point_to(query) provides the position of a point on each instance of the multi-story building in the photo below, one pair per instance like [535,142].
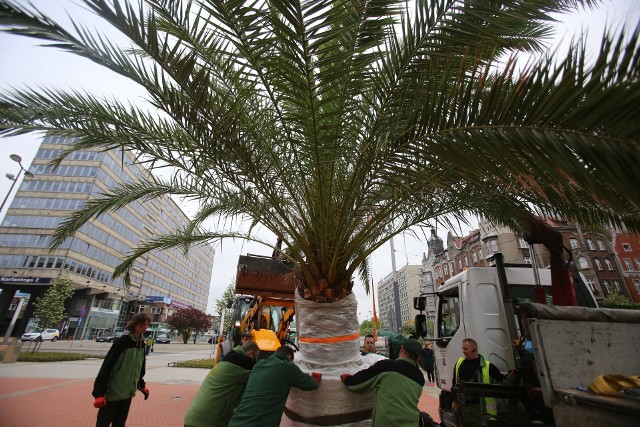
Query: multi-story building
[627,248]
[408,278]
[160,280]
[609,261]
[597,258]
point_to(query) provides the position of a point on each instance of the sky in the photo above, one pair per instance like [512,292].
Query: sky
[25,64]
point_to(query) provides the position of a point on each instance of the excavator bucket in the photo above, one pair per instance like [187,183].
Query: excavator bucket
[265,276]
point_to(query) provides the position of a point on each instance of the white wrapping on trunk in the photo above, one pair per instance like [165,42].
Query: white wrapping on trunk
[328,320]
[331,403]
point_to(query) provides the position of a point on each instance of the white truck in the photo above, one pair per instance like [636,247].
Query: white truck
[557,350]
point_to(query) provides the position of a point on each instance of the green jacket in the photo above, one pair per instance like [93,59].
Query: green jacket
[267,391]
[398,385]
[220,392]
[122,370]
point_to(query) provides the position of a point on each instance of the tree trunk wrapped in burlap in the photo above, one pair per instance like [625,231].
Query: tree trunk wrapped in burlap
[330,344]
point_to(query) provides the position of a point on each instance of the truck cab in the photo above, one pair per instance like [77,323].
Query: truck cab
[470,305]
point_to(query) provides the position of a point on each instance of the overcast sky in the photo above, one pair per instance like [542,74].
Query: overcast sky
[23,63]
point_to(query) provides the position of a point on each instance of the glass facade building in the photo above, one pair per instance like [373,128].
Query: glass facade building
[160,280]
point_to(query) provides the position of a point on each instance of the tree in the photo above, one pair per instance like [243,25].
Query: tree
[226,305]
[49,309]
[339,124]
[366,326]
[188,321]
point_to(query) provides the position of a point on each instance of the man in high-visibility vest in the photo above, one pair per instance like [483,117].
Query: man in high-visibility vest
[473,367]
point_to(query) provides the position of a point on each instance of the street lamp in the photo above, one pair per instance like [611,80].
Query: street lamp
[15,178]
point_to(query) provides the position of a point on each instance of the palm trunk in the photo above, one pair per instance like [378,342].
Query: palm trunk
[330,344]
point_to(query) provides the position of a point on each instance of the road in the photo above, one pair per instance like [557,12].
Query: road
[56,394]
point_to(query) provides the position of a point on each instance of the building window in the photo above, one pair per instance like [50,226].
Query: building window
[133,309]
[636,283]
[601,245]
[474,257]
[606,286]
[12,307]
[583,263]
[527,260]
[480,254]
[466,261]
[609,264]
[590,245]
[573,242]
[492,246]
[628,265]
[592,285]
[626,247]
[460,264]
[446,270]
[522,243]
[598,264]
[616,283]
[637,263]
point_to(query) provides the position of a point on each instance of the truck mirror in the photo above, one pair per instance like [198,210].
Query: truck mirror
[419,303]
[421,325]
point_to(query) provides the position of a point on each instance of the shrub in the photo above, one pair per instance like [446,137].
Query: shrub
[199,363]
[55,357]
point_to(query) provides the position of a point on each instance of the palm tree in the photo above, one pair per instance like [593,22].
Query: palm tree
[337,124]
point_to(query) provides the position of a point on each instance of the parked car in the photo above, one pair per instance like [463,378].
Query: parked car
[163,339]
[108,337]
[47,334]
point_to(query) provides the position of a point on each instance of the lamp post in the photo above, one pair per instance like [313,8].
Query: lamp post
[13,178]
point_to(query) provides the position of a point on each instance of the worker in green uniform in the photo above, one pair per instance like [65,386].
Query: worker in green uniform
[222,389]
[268,388]
[398,384]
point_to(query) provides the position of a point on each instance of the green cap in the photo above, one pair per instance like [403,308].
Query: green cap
[412,347]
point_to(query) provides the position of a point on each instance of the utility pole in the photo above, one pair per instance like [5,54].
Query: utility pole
[396,291]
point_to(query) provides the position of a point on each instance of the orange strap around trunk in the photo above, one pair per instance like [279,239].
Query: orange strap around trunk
[330,339]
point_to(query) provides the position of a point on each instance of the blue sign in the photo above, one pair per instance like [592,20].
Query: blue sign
[165,300]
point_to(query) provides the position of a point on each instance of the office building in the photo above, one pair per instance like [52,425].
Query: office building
[160,280]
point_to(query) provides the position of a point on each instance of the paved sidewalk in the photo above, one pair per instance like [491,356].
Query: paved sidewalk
[58,394]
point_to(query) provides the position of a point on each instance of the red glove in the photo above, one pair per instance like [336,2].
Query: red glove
[145,391]
[316,376]
[100,402]
[343,377]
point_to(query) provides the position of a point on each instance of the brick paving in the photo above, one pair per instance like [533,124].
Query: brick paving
[40,402]
[52,402]
[58,394]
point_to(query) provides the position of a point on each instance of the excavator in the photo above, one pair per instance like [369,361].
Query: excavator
[264,305]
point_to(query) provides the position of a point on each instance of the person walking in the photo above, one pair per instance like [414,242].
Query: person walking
[148,342]
[426,359]
[398,384]
[268,388]
[121,374]
[222,389]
